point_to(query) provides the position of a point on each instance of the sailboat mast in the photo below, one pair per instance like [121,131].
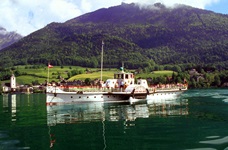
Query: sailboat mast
[102,57]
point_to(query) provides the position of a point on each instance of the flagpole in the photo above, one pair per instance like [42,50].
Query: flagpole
[48,74]
[102,57]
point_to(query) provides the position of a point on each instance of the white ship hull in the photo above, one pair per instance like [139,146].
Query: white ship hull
[164,94]
[55,95]
[72,97]
[55,98]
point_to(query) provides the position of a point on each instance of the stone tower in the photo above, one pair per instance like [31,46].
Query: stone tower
[13,82]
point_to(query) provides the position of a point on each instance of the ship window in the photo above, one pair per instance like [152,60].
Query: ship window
[71,96]
[79,96]
[87,96]
[94,96]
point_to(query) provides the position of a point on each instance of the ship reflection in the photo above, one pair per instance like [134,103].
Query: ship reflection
[98,111]
[76,113]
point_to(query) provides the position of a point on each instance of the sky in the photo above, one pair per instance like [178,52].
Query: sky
[27,16]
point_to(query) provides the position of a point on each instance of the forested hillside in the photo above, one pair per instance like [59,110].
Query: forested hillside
[138,36]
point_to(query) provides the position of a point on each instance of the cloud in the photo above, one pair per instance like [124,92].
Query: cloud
[171,3]
[86,6]
[26,16]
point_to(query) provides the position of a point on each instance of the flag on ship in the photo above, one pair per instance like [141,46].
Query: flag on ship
[50,66]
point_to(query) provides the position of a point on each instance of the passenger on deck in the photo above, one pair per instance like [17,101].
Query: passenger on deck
[121,84]
[116,85]
[125,85]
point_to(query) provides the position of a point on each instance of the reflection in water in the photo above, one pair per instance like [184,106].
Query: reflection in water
[216,141]
[51,138]
[168,107]
[98,111]
[10,105]
[73,113]
[13,107]
[102,112]
[200,122]
[5,101]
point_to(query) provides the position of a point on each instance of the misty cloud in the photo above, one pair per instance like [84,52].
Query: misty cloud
[26,16]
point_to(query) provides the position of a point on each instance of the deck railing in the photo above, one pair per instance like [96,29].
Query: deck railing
[151,89]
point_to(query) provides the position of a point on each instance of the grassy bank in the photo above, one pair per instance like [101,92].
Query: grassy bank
[40,74]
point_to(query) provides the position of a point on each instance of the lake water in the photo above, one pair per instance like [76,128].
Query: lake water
[198,119]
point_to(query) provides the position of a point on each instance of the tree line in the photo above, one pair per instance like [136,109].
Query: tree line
[195,76]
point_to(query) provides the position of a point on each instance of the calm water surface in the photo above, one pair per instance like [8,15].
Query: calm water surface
[196,120]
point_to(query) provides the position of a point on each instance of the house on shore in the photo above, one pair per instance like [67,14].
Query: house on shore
[10,87]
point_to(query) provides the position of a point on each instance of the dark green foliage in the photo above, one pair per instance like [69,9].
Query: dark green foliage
[87,81]
[5,74]
[139,37]
[76,72]
[36,82]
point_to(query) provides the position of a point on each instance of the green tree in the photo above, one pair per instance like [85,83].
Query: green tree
[17,73]
[193,83]
[68,75]
[87,81]
[217,81]
[177,68]
[36,82]
[1,90]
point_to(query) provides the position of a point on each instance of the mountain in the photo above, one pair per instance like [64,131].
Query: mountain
[137,35]
[8,38]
